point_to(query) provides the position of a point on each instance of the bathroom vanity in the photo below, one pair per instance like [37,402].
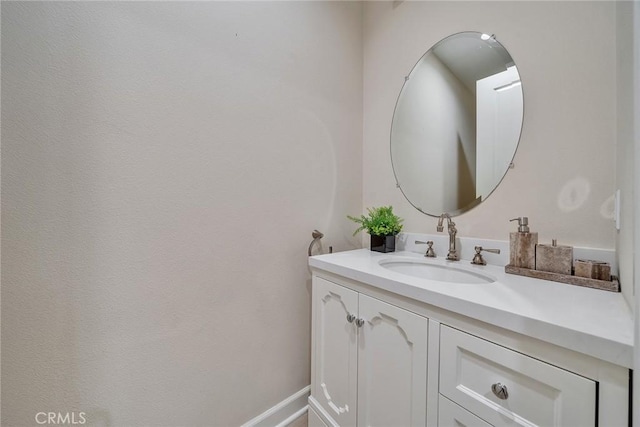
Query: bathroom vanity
[403,340]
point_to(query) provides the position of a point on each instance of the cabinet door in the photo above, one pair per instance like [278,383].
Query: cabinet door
[392,366]
[335,350]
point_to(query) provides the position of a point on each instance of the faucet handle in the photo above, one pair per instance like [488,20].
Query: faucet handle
[430,252]
[477,258]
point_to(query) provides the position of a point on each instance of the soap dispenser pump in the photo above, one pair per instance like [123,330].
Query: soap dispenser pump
[522,245]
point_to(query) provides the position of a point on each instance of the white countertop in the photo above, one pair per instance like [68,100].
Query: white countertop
[591,321]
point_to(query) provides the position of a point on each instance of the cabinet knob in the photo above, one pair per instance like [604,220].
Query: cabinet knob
[500,391]
[360,322]
[350,318]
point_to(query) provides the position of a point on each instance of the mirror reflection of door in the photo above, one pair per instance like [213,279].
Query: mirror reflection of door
[499,118]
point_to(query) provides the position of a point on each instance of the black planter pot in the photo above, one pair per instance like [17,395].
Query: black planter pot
[383,243]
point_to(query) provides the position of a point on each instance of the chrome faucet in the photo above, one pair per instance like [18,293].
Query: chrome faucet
[451,228]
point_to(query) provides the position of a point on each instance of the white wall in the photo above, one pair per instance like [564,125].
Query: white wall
[624,142]
[636,205]
[564,167]
[163,166]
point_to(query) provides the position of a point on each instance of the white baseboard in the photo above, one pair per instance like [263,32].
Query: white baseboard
[283,413]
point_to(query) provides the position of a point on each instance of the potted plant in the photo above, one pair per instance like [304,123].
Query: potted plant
[383,225]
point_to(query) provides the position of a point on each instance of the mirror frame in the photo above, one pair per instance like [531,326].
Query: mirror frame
[510,165]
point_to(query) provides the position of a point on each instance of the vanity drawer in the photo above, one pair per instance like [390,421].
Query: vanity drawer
[472,371]
[453,415]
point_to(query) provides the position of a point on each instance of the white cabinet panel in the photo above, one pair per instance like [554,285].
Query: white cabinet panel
[392,365]
[335,358]
[537,393]
[452,415]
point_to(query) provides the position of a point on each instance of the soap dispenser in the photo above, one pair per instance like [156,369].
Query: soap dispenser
[554,258]
[522,245]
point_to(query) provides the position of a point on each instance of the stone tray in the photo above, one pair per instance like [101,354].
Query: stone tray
[612,286]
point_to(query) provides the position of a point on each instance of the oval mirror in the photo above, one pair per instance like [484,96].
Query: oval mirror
[456,124]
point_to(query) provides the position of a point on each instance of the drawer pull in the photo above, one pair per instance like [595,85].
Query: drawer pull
[360,322]
[500,391]
[350,318]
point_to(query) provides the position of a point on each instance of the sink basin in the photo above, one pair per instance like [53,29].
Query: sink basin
[427,270]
